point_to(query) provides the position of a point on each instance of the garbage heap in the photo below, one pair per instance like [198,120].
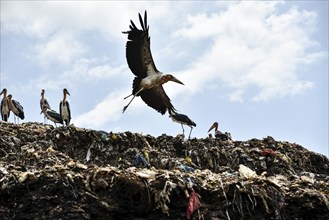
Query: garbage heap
[76,173]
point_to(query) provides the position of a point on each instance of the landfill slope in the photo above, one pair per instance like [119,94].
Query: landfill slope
[76,173]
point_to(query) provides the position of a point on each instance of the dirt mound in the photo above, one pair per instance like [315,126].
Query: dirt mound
[75,173]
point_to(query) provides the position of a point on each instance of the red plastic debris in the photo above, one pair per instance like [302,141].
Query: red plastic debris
[193,204]
[267,151]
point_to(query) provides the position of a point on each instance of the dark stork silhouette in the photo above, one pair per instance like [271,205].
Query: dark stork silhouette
[44,102]
[52,115]
[218,134]
[16,108]
[148,81]
[5,111]
[183,120]
[64,108]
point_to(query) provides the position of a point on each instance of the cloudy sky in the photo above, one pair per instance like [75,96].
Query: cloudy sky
[258,68]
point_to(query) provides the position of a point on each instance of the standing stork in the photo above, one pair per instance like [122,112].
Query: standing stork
[52,115]
[148,81]
[64,108]
[5,111]
[218,134]
[44,102]
[182,119]
[16,108]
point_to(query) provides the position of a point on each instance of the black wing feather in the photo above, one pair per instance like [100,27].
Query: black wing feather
[184,119]
[157,99]
[138,52]
[68,109]
[60,109]
[141,21]
[133,26]
[54,116]
[20,109]
[145,21]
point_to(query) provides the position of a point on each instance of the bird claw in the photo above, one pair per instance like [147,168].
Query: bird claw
[124,109]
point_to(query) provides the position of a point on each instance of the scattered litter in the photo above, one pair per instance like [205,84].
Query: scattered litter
[76,173]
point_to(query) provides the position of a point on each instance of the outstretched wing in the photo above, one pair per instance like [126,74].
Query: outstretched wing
[138,51]
[157,98]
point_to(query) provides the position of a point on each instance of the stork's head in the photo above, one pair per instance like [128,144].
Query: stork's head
[65,91]
[215,125]
[42,92]
[4,91]
[169,77]
[9,97]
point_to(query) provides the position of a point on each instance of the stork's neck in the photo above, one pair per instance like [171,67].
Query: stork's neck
[64,98]
[10,103]
[4,94]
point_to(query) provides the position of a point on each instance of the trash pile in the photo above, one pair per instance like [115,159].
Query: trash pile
[76,173]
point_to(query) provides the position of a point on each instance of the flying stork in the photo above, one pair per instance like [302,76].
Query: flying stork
[5,111]
[148,81]
[52,115]
[15,107]
[64,108]
[44,102]
[218,134]
[182,119]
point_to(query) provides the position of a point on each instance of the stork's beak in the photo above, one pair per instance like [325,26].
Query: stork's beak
[67,92]
[174,79]
[212,127]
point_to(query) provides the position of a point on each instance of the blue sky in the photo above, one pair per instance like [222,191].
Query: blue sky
[258,68]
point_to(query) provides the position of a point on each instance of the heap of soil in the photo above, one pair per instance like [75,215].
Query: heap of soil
[76,173]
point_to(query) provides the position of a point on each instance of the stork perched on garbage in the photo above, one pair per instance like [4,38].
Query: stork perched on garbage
[64,108]
[16,108]
[44,102]
[183,120]
[148,81]
[218,134]
[52,115]
[4,107]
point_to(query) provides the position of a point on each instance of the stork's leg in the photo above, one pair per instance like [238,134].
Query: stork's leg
[124,108]
[128,96]
[190,133]
[134,95]
[182,128]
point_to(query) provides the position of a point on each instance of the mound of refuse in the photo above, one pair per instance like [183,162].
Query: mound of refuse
[76,173]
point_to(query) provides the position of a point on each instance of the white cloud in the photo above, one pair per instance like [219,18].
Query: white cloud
[108,110]
[253,47]
[93,70]
[41,19]
[104,112]
[61,48]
